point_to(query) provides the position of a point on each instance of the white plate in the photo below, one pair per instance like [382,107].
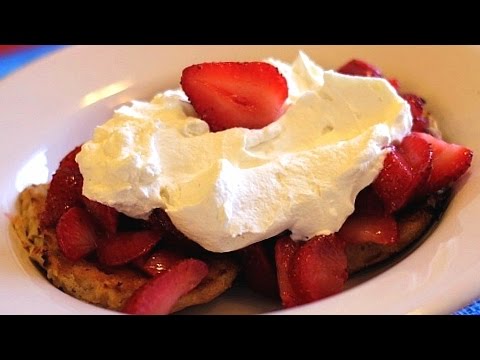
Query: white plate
[51,106]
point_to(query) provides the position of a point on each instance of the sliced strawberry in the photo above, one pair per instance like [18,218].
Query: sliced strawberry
[416,104]
[159,262]
[420,122]
[419,156]
[65,192]
[159,295]
[69,160]
[405,171]
[360,68]
[256,260]
[379,229]
[450,162]
[234,94]
[105,215]
[76,234]
[395,183]
[285,249]
[121,248]
[319,268]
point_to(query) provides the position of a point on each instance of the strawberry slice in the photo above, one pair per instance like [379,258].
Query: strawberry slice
[419,156]
[420,122]
[360,68]
[159,295]
[416,104]
[285,249]
[121,248]
[65,191]
[256,260]
[105,215]
[235,94]
[395,183]
[379,229]
[159,262]
[319,268]
[450,162]
[76,234]
[69,159]
[405,171]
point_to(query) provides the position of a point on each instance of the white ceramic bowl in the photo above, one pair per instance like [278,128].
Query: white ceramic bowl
[52,105]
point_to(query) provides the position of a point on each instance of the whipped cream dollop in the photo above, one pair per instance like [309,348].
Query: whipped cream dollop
[229,189]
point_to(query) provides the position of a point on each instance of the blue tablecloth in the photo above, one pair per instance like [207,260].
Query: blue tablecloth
[12,61]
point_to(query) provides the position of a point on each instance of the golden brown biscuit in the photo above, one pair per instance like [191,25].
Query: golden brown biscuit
[413,224]
[111,287]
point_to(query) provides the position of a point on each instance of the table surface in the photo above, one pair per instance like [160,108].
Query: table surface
[12,58]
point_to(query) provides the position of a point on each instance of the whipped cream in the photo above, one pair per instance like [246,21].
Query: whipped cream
[229,189]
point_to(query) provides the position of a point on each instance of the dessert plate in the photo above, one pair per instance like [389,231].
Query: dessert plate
[52,105]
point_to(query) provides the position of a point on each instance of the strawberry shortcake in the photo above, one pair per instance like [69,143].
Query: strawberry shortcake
[290,176]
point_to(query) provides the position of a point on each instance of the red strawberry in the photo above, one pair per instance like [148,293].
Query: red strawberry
[121,248]
[159,295]
[420,122]
[76,234]
[377,229]
[419,156]
[105,215]
[65,192]
[319,268]
[159,262]
[256,260]
[404,172]
[450,161]
[360,68]
[69,160]
[285,249]
[234,94]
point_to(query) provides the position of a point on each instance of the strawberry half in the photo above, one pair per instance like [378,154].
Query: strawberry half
[121,248]
[159,262]
[450,161]
[105,215]
[420,122]
[405,171]
[159,295]
[65,190]
[379,229]
[285,249]
[319,268]
[69,160]
[235,94]
[76,234]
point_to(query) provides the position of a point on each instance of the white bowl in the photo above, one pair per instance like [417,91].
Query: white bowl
[52,105]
